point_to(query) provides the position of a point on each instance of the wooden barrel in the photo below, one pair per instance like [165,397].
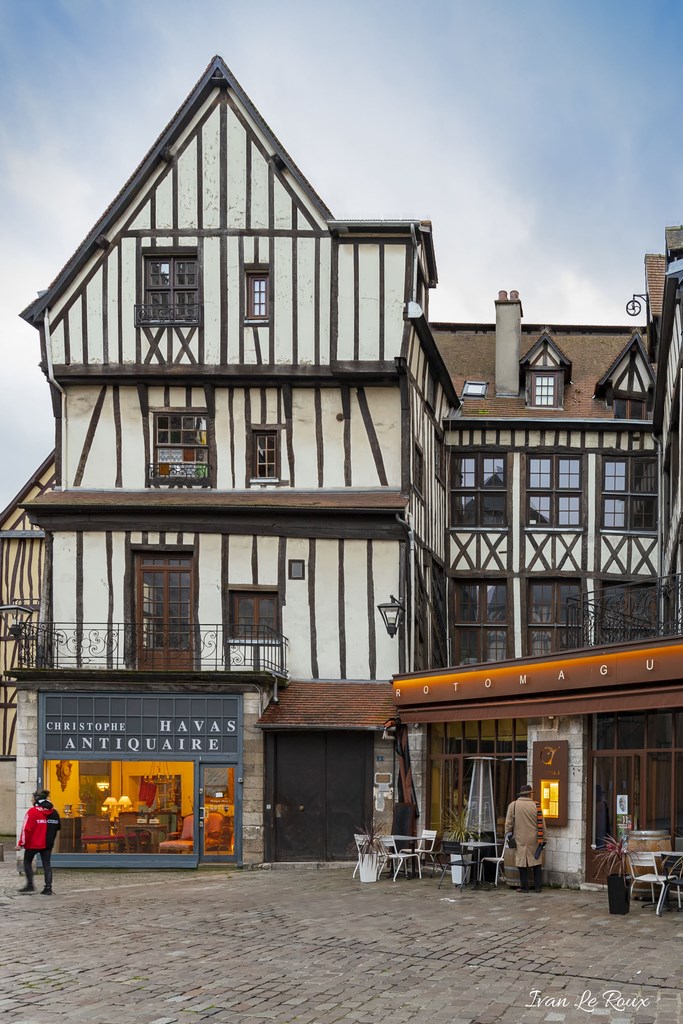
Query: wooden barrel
[649,839]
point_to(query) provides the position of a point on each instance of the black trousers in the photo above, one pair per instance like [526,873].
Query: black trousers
[46,859]
[524,877]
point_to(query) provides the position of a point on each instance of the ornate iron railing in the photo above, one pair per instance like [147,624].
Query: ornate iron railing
[151,646]
[180,474]
[623,613]
[152,313]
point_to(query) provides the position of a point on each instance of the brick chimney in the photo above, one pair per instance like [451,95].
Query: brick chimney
[508,343]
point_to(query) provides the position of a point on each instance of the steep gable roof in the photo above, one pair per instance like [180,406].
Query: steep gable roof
[630,372]
[547,354]
[216,75]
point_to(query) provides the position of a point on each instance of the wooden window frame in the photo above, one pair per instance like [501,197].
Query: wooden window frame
[534,378]
[556,625]
[478,491]
[629,401]
[481,623]
[252,277]
[170,311]
[203,477]
[554,491]
[165,656]
[629,496]
[255,594]
[274,435]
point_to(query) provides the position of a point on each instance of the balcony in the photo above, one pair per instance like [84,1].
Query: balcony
[151,647]
[624,614]
[156,314]
[179,474]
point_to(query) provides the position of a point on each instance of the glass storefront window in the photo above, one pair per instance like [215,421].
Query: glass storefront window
[659,791]
[123,807]
[659,728]
[631,731]
[453,737]
[604,731]
[436,738]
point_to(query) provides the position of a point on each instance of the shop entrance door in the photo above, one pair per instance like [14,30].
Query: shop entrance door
[322,789]
[614,805]
[216,812]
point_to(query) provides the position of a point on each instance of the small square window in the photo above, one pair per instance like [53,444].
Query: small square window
[474,389]
[257,295]
[297,569]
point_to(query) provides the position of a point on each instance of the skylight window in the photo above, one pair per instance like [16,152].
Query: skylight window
[474,389]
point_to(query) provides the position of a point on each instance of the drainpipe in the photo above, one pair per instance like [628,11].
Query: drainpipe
[51,379]
[411,580]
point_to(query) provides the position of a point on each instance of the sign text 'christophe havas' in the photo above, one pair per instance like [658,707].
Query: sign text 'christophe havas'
[184,735]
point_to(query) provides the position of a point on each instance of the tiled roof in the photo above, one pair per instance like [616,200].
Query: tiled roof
[674,240]
[316,705]
[202,499]
[655,269]
[469,352]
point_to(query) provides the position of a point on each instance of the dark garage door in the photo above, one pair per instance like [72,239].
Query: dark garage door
[322,791]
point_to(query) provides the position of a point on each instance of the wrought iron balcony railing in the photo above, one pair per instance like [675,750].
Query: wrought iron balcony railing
[180,474]
[624,613]
[152,646]
[155,313]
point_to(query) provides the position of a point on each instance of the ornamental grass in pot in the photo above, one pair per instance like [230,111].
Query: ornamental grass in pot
[455,829]
[612,861]
[371,851]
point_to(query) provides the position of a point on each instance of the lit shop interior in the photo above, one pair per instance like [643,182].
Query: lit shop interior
[142,807]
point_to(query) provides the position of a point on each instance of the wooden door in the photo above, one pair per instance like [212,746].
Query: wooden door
[164,618]
[322,793]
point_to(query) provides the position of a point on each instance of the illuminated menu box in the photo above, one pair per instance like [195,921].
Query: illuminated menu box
[550,761]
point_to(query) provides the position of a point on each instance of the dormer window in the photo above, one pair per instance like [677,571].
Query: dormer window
[171,290]
[545,390]
[629,409]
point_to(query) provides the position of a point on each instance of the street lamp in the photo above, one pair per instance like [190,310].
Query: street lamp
[392,613]
[15,629]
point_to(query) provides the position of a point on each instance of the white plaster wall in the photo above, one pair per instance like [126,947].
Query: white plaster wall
[296,621]
[356,606]
[64,577]
[95,585]
[394,289]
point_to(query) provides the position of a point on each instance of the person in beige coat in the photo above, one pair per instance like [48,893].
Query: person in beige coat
[524,820]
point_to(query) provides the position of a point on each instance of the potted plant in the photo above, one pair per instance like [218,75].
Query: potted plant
[371,852]
[456,829]
[612,860]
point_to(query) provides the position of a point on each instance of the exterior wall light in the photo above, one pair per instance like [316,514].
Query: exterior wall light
[392,615]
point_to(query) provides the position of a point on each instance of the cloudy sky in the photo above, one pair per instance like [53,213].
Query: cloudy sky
[541,137]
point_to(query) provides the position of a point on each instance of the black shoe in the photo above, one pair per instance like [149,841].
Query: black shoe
[46,892]
[522,890]
[27,888]
[538,889]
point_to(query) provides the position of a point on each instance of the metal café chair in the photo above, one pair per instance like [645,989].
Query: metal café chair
[646,861]
[399,857]
[425,847]
[672,873]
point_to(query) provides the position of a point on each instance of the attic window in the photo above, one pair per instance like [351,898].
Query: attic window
[474,389]
[629,409]
[544,390]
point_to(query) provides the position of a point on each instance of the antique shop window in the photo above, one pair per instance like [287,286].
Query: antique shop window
[257,295]
[265,454]
[164,612]
[125,807]
[181,452]
[479,622]
[547,615]
[171,290]
[554,491]
[629,498]
[478,490]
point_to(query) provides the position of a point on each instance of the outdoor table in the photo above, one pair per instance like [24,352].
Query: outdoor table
[477,845]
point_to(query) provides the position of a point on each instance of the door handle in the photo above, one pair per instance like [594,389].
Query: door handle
[301,807]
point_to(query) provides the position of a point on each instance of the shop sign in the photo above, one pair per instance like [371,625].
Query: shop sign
[139,726]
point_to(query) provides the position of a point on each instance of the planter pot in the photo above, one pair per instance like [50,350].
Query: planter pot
[369,867]
[459,874]
[618,894]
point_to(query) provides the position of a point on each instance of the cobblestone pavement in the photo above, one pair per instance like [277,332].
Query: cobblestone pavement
[305,946]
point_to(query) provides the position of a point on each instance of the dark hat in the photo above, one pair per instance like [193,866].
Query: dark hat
[525,790]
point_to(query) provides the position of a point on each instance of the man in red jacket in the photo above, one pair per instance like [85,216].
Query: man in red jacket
[38,834]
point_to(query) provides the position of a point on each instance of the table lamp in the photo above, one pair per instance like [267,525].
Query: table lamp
[124,803]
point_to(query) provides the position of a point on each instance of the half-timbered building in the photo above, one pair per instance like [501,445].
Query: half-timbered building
[552,548]
[249,410]
[21,576]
